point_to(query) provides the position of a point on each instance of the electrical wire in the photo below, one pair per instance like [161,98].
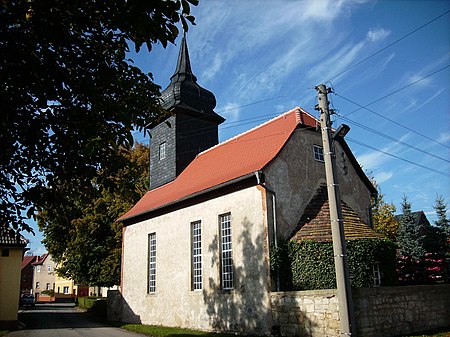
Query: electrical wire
[397,157]
[398,141]
[389,45]
[394,122]
[395,91]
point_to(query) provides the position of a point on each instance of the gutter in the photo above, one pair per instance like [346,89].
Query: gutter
[259,180]
[194,195]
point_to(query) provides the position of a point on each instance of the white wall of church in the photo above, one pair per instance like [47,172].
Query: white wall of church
[295,176]
[245,308]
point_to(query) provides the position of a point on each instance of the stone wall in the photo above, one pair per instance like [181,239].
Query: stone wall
[306,313]
[384,311]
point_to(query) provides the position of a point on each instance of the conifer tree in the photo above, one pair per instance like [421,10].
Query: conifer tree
[409,237]
[441,211]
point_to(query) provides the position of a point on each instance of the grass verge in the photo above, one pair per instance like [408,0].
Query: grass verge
[445,332]
[162,331]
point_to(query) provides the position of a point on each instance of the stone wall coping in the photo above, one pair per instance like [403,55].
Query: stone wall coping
[320,292]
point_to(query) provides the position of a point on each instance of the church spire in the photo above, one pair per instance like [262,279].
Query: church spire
[183,68]
[185,93]
[191,126]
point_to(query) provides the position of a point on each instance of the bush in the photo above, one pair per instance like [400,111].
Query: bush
[49,292]
[312,263]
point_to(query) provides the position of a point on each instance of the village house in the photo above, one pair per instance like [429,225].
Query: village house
[46,278]
[196,246]
[13,246]
[26,275]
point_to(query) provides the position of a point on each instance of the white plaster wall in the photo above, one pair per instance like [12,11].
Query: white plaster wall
[246,308]
[295,177]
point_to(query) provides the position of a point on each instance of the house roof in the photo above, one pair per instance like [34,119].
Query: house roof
[315,222]
[237,157]
[11,238]
[27,260]
[419,218]
[40,259]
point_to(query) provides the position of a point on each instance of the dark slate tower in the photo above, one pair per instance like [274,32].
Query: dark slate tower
[191,129]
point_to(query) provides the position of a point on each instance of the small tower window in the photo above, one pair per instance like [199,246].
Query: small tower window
[162,151]
[318,153]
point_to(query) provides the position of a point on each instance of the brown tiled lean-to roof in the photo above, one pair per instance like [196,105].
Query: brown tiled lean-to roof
[315,221]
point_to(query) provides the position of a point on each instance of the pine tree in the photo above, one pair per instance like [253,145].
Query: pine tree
[409,238]
[441,211]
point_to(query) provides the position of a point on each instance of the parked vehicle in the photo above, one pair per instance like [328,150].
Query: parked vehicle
[27,300]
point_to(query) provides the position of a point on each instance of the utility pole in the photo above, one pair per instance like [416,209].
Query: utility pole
[347,322]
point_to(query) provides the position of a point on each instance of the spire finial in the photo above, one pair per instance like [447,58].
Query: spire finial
[183,68]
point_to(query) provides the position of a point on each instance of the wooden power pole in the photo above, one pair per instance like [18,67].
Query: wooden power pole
[347,325]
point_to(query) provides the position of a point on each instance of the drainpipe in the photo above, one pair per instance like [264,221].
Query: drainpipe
[258,175]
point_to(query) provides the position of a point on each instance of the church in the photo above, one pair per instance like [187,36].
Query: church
[196,246]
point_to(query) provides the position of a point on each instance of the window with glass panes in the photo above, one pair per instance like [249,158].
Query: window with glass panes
[226,250]
[318,153]
[152,263]
[196,228]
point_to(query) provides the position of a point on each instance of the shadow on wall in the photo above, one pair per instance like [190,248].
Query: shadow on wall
[245,308]
[118,309]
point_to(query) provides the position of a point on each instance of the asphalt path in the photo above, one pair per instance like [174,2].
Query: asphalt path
[63,320]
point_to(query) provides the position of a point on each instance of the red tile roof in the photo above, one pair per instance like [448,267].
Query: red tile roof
[315,223]
[40,259]
[27,260]
[237,157]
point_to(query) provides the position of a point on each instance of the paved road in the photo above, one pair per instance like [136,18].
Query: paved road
[63,320]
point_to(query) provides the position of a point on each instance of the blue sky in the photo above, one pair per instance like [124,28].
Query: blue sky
[275,52]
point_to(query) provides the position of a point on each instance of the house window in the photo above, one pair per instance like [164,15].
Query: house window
[226,252]
[66,290]
[318,153]
[152,263]
[38,269]
[376,274]
[47,287]
[162,151]
[5,252]
[196,234]
[49,268]
[37,285]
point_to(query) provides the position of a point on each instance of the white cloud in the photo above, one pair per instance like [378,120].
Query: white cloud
[383,176]
[444,137]
[210,72]
[231,112]
[377,34]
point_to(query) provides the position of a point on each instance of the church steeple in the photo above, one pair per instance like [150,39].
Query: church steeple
[191,128]
[184,91]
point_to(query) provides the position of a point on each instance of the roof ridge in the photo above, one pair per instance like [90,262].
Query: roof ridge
[229,140]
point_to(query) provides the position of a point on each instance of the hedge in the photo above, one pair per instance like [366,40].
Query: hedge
[93,304]
[308,264]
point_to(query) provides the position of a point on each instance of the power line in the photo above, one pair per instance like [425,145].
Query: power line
[253,103]
[394,122]
[393,139]
[395,91]
[397,157]
[389,45]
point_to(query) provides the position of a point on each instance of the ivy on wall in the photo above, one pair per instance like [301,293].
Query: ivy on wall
[309,264]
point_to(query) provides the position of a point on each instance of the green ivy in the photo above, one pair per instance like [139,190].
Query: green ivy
[312,263]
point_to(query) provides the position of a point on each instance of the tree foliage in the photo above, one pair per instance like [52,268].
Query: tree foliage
[384,220]
[410,238]
[442,221]
[69,96]
[79,224]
